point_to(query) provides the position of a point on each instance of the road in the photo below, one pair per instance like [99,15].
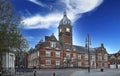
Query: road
[74,72]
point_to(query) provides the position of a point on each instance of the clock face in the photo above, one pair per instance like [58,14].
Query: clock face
[67,29]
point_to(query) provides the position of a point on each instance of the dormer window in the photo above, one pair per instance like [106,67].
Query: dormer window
[52,44]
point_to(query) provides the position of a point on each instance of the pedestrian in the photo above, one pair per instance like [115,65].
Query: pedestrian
[102,69]
[53,74]
[0,71]
[35,73]
[116,66]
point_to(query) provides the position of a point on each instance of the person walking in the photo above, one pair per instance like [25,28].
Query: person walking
[102,69]
[35,73]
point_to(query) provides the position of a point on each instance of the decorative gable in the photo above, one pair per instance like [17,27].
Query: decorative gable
[112,57]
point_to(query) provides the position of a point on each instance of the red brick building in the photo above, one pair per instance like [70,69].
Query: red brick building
[114,60]
[53,53]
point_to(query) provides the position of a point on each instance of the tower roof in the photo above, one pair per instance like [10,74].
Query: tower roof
[65,20]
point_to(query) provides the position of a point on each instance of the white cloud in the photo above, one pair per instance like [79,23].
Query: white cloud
[39,21]
[75,8]
[81,6]
[38,3]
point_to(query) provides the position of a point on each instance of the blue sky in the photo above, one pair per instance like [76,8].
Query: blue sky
[99,18]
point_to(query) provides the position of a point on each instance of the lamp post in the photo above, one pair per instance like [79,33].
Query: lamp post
[88,43]
[39,59]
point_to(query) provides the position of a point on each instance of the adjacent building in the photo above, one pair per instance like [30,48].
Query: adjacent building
[53,53]
[114,60]
[8,61]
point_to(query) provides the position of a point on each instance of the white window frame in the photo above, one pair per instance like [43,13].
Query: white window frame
[74,56]
[100,58]
[79,56]
[68,55]
[48,62]
[57,54]
[86,56]
[52,44]
[79,63]
[48,53]
[57,62]
[93,57]
[106,57]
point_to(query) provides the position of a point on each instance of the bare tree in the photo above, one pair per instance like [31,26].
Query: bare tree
[10,36]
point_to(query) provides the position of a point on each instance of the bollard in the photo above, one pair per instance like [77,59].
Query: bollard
[53,74]
[35,73]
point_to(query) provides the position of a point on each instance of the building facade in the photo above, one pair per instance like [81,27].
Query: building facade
[8,62]
[114,60]
[53,53]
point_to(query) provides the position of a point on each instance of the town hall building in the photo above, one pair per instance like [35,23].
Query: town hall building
[53,53]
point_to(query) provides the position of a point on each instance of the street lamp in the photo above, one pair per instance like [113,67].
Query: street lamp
[39,64]
[88,43]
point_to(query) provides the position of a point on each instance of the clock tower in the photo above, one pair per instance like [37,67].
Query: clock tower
[65,32]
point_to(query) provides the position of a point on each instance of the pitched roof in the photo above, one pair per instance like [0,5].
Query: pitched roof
[50,38]
[82,49]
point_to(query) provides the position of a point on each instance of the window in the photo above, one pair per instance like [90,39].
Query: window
[93,58]
[119,58]
[57,54]
[38,53]
[74,56]
[60,30]
[53,44]
[86,57]
[48,62]
[74,49]
[68,55]
[99,57]
[79,63]
[67,46]
[48,53]
[57,62]
[79,56]
[67,29]
[106,57]
[105,64]
[99,54]
[86,63]
[99,64]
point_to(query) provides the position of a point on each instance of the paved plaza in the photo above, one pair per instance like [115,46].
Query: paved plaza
[97,72]
[73,72]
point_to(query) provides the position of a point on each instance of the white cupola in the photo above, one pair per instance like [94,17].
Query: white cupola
[65,20]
